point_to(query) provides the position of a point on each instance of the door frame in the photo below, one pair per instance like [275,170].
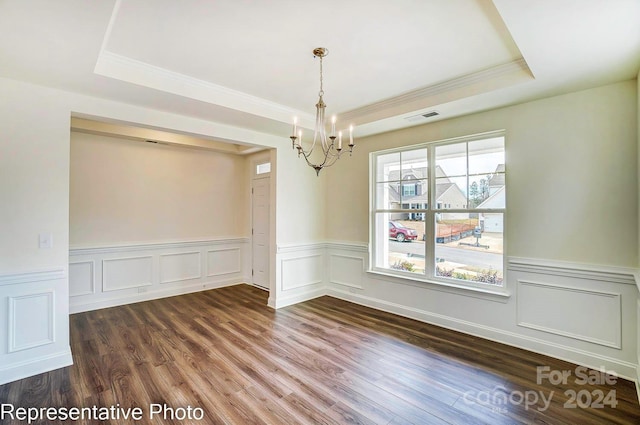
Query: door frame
[254,161]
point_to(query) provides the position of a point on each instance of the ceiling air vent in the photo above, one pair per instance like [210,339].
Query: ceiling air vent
[422,117]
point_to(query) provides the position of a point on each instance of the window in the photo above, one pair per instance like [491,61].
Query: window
[263,168]
[438,209]
[408,189]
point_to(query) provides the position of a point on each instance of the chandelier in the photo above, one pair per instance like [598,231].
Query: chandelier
[331,151]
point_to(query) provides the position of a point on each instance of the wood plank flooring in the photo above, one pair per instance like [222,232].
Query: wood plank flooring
[325,361]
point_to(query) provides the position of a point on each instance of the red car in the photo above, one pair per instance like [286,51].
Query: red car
[400,233]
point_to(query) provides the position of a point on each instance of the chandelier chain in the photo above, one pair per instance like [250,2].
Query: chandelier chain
[321,92]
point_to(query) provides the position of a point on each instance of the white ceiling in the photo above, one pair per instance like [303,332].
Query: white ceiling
[248,63]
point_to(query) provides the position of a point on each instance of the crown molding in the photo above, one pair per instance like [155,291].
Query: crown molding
[126,69]
[455,88]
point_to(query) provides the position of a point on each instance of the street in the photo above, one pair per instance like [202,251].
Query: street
[453,254]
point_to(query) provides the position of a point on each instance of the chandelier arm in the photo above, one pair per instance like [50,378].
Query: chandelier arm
[332,160]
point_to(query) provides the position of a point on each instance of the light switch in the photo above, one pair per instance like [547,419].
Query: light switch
[45,240]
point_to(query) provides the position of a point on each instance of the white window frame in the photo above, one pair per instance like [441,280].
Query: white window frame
[429,276]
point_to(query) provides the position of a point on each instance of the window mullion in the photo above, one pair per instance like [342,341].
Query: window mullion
[429,243]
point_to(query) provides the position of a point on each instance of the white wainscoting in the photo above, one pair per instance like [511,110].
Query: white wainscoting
[181,266]
[36,336]
[346,270]
[82,278]
[300,274]
[126,273]
[107,276]
[584,314]
[638,344]
[31,320]
[223,261]
[569,311]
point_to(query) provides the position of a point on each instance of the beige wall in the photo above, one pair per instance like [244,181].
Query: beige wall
[34,178]
[129,191]
[301,199]
[572,183]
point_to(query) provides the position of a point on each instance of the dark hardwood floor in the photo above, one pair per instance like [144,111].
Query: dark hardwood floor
[325,361]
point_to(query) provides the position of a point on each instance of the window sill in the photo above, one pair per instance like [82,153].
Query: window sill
[498,295]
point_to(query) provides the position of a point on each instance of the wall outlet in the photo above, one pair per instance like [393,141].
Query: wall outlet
[45,240]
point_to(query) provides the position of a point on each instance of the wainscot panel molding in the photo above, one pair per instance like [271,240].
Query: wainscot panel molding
[223,261]
[346,270]
[31,320]
[302,270]
[120,274]
[300,273]
[180,266]
[568,312]
[35,337]
[582,313]
[126,273]
[82,278]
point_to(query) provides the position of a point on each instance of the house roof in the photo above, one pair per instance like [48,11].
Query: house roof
[497,179]
[418,173]
[441,189]
[497,200]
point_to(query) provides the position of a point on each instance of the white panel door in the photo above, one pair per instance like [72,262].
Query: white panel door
[260,236]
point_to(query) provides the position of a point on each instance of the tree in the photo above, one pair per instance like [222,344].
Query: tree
[484,189]
[474,194]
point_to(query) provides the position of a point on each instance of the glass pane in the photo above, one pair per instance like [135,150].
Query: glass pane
[400,242]
[486,156]
[451,160]
[487,191]
[388,167]
[263,168]
[451,193]
[414,164]
[387,196]
[414,194]
[478,190]
[469,247]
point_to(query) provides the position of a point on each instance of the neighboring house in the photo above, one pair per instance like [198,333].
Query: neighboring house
[496,181]
[494,222]
[411,192]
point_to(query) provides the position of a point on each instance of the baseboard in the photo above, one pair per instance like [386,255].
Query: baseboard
[35,366]
[151,295]
[637,382]
[623,369]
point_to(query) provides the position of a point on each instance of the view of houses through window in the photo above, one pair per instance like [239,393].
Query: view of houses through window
[444,221]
